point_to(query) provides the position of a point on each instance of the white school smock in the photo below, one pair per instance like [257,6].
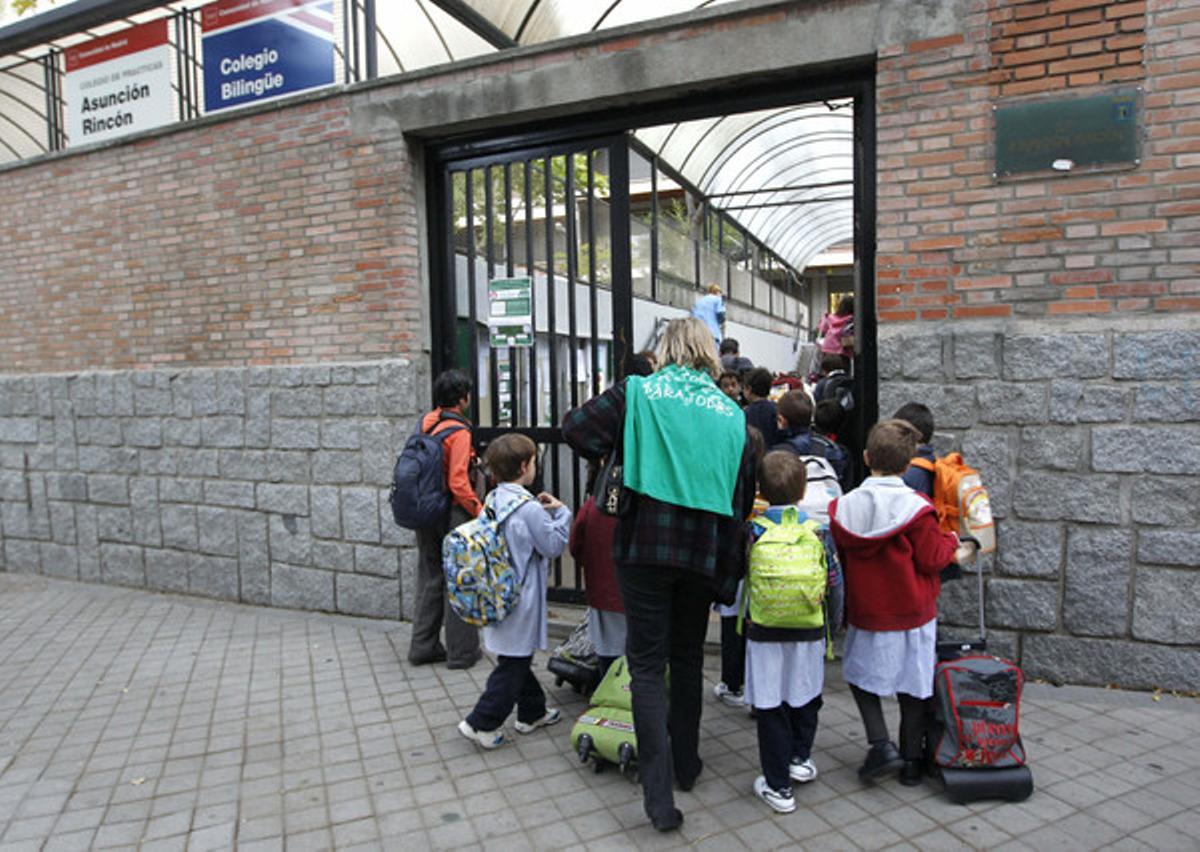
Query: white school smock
[887,662]
[534,537]
[791,673]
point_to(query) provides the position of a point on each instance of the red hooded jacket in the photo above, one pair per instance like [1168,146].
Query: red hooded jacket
[892,551]
[592,544]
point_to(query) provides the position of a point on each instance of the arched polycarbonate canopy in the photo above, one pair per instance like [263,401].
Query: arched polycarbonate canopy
[786,175]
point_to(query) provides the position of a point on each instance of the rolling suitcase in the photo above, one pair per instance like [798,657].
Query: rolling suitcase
[976,743]
[575,661]
[604,733]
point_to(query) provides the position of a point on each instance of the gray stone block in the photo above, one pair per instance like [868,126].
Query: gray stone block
[283,499]
[218,530]
[360,515]
[977,356]
[1055,356]
[290,539]
[287,377]
[333,556]
[89,542]
[1170,547]
[890,355]
[181,433]
[339,434]
[142,431]
[341,374]
[242,464]
[366,374]
[351,399]
[1166,606]
[295,434]
[1157,355]
[143,497]
[121,565]
[231,392]
[1008,402]
[1132,665]
[958,603]
[336,467]
[922,357]
[59,560]
[1167,403]
[326,512]
[62,522]
[181,395]
[304,402]
[14,489]
[370,596]
[157,462]
[287,466]
[204,393]
[404,386]
[59,486]
[82,391]
[990,452]
[1096,595]
[99,431]
[1068,497]
[1165,500]
[201,463]
[167,570]
[223,432]
[213,577]
[15,520]
[1052,448]
[1150,449]
[22,556]
[953,406]
[1022,604]
[105,488]
[380,561]
[259,377]
[19,430]
[389,532]
[314,374]
[301,588]
[122,395]
[254,584]
[179,528]
[175,490]
[258,418]
[219,492]
[254,561]
[152,394]
[380,446]
[1029,550]
[114,523]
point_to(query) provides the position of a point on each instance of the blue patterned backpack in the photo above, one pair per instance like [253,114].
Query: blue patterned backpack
[482,585]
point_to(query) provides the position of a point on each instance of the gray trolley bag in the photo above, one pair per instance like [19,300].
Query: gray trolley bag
[977,747]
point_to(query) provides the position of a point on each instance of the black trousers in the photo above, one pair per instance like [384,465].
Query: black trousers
[915,718]
[667,613]
[432,610]
[785,733]
[733,654]
[511,682]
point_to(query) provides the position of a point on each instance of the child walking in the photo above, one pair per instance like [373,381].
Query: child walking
[785,665]
[535,532]
[892,551]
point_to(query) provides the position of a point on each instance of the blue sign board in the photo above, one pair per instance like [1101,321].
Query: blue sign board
[257,50]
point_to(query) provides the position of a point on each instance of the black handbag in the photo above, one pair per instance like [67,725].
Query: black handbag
[612,497]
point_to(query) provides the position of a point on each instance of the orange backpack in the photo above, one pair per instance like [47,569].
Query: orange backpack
[961,501]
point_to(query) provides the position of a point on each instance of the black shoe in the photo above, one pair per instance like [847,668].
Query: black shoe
[687,785]
[438,656]
[459,665]
[881,760]
[912,772]
[669,822]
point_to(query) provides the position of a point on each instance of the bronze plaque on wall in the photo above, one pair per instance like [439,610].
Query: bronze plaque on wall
[1067,133]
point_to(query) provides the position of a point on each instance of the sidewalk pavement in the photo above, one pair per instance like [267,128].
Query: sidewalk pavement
[136,719]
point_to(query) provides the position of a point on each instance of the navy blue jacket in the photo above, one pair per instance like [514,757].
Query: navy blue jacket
[919,479]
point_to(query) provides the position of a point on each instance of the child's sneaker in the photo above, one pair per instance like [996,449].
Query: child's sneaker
[727,696]
[484,739]
[802,771]
[552,716]
[781,801]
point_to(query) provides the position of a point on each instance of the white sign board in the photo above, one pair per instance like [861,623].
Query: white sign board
[119,84]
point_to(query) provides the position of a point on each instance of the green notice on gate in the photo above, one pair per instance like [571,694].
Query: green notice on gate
[510,312]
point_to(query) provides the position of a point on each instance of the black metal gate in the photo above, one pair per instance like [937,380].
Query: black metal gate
[531,292]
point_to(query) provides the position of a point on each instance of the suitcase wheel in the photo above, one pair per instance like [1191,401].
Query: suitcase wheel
[584,747]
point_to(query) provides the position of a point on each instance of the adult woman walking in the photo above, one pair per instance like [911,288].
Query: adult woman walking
[690,470]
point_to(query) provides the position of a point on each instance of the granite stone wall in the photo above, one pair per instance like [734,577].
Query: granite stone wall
[266,485]
[1089,442]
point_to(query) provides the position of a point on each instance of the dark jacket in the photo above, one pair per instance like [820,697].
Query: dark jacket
[592,535]
[919,479]
[761,415]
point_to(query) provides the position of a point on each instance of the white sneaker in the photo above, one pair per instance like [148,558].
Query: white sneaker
[552,716]
[484,739]
[727,696]
[781,801]
[802,771]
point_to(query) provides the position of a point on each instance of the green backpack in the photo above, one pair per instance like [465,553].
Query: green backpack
[787,577]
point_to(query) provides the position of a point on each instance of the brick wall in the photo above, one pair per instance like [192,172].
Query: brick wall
[280,237]
[955,243]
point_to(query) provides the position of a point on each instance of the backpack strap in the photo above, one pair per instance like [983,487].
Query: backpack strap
[924,464]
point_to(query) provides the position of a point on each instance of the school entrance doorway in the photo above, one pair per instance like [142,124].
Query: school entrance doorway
[559,254]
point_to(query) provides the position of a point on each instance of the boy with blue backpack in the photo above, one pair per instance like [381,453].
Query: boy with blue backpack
[788,585]
[530,532]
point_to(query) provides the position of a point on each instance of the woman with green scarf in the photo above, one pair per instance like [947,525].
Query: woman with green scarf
[690,469]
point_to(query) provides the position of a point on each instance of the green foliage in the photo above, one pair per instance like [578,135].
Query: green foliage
[23,6]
